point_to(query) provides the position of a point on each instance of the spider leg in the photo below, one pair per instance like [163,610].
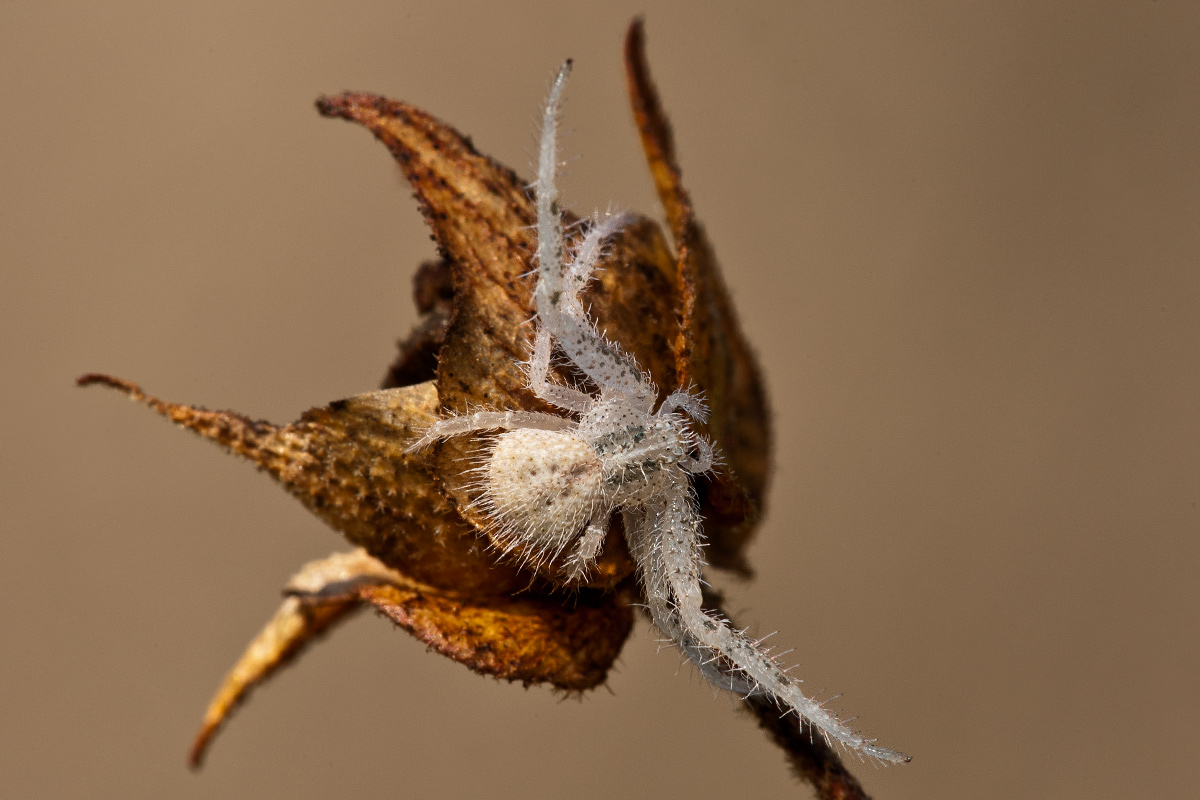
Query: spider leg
[703,461]
[488,420]
[587,549]
[538,371]
[639,529]
[609,366]
[578,271]
[601,360]
[549,220]
[667,548]
[693,406]
[639,534]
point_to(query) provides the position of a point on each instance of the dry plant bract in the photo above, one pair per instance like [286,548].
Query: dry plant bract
[587,489]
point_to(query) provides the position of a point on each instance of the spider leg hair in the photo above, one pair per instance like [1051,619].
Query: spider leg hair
[537,370]
[666,547]
[578,271]
[605,362]
[488,420]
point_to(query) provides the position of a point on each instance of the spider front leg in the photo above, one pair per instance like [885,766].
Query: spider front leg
[578,273]
[538,371]
[561,315]
[488,420]
[556,295]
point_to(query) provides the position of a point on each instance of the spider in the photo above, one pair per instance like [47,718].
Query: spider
[550,483]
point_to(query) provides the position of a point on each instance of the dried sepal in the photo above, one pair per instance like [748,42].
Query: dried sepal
[531,638]
[709,348]
[346,463]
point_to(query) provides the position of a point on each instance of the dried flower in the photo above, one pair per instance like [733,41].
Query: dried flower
[422,557]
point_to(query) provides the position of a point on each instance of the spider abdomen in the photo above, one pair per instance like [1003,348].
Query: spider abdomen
[544,485]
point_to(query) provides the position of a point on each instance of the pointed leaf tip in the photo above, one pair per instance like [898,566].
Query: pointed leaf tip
[96,378]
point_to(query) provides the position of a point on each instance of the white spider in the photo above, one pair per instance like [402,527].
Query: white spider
[552,482]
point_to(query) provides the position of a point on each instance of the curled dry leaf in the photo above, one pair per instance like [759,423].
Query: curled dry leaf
[421,558]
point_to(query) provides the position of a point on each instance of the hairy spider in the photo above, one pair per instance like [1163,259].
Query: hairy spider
[552,482]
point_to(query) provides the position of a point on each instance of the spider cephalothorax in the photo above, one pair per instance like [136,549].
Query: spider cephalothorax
[549,484]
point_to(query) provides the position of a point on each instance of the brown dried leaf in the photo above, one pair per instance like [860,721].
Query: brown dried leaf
[346,462]
[529,638]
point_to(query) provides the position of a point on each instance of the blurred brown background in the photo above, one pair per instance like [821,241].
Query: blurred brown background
[964,242]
